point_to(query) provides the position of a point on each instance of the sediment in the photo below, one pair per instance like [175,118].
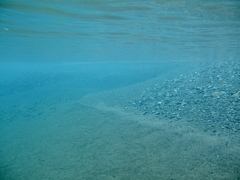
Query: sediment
[207,97]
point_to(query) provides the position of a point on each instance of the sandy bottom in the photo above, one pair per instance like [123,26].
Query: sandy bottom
[97,137]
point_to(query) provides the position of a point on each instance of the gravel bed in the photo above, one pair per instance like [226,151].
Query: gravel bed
[208,97]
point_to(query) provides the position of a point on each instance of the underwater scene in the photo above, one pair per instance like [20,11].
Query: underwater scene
[119,90]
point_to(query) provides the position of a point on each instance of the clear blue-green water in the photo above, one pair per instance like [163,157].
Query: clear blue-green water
[119,90]
[77,31]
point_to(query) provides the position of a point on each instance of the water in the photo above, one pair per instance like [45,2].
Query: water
[119,30]
[83,84]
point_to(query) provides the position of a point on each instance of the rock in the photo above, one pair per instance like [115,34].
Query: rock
[208,97]
[236,95]
[144,113]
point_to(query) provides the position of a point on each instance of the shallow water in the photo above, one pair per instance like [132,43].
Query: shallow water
[50,31]
[79,81]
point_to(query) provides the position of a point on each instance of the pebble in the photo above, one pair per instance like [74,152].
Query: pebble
[208,98]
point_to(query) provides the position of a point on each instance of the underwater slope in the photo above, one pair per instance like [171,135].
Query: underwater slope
[208,97]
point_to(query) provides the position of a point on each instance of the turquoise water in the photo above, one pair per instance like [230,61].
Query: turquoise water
[78,80]
[79,31]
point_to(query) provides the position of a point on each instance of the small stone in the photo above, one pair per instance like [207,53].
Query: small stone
[144,113]
[216,94]
[236,95]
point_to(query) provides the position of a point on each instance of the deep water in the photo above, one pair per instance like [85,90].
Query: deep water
[119,90]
